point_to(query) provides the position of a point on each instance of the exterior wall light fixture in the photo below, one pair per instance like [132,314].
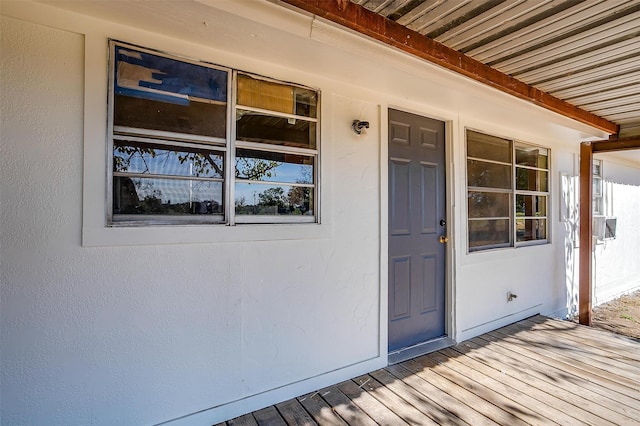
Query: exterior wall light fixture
[359,126]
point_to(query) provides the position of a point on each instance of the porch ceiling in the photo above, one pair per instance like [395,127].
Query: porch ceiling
[584,52]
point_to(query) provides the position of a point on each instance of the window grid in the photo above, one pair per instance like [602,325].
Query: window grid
[144,141]
[525,228]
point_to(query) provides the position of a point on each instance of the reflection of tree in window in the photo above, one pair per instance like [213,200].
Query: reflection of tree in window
[255,169]
[135,194]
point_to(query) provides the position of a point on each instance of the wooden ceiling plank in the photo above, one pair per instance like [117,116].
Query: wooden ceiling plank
[610,103]
[595,74]
[622,29]
[444,13]
[598,85]
[519,11]
[416,13]
[630,122]
[549,28]
[626,117]
[622,109]
[366,22]
[578,63]
[606,94]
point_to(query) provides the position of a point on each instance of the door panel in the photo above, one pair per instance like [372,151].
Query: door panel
[429,277]
[399,196]
[417,210]
[428,191]
[401,292]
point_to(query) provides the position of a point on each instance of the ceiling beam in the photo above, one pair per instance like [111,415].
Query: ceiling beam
[366,22]
[621,144]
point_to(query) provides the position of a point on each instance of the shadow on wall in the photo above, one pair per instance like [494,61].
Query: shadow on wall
[616,242]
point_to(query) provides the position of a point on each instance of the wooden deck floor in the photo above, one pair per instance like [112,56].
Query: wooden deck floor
[537,371]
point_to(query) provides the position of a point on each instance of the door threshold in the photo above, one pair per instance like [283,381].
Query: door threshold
[424,348]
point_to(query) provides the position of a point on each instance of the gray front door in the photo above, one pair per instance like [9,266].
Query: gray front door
[417,214]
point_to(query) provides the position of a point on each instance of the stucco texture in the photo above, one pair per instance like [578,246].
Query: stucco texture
[145,334]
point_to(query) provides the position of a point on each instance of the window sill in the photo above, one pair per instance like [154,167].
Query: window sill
[201,234]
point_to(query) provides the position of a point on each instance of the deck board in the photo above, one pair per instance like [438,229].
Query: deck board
[561,387]
[577,387]
[269,417]
[616,349]
[407,412]
[625,382]
[321,412]
[294,414]
[538,371]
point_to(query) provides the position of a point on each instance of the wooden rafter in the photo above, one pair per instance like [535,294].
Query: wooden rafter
[616,144]
[587,149]
[366,22]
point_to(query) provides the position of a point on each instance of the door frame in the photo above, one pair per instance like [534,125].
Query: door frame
[450,312]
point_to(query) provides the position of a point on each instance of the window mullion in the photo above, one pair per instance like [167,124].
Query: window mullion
[513,221]
[231,152]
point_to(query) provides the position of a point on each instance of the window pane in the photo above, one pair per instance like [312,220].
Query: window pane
[274,166]
[488,204]
[532,156]
[276,97]
[488,175]
[273,200]
[597,168]
[488,147]
[158,93]
[256,127]
[139,158]
[597,187]
[132,195]
[531,229]
[488,233]
[531,205]
[531,180]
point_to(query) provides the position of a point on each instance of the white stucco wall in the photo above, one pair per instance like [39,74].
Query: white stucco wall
[144,334]
[616,270]
[141,326]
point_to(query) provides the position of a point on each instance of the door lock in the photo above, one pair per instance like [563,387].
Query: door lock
[443,239]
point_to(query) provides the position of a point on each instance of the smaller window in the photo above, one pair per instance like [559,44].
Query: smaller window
[598,193]
[276,152]
[507,192]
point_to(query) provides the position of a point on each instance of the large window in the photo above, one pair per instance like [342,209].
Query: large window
[193,142]
[507,192]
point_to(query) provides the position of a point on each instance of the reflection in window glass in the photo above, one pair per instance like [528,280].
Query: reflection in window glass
[488,147]
[274,166]
[488,175]
[531,180]
[488,204]
[288,99]
[531,229]
[483,233]
[148,196]
[263,128]
[156,159]
[174,158]
[158,93]
[531,205]
[531,156]
[273,200]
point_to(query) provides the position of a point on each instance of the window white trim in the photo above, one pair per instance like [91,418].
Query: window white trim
[96,233]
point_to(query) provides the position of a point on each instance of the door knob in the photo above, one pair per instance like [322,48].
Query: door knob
[443,239]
